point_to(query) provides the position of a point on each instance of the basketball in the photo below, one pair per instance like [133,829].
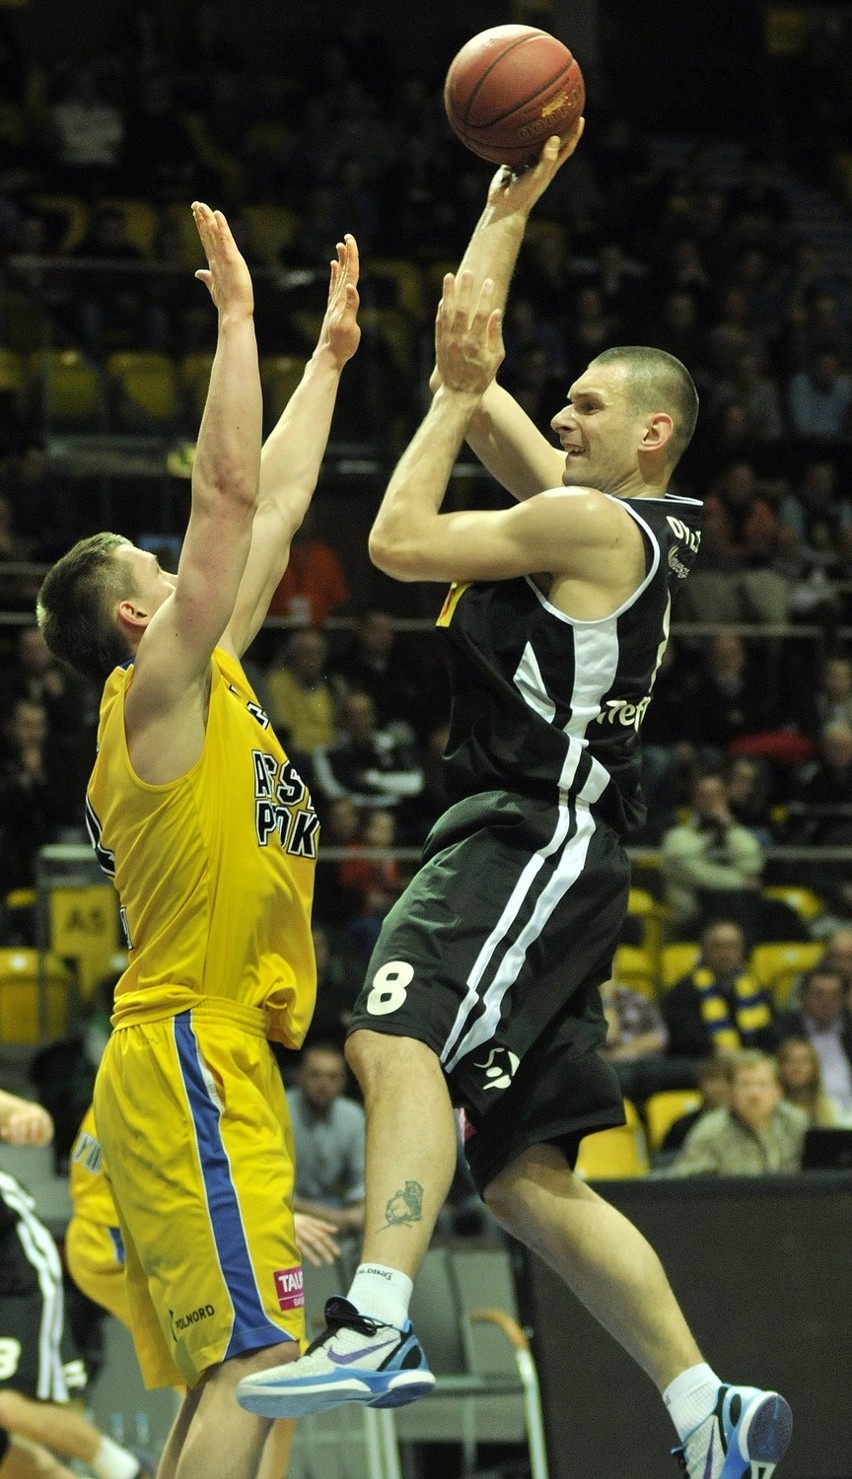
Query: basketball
[509,89]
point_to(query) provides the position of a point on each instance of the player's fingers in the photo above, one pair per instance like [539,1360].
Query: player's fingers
[464,297]
[571,140]
[352,257]
[484,304]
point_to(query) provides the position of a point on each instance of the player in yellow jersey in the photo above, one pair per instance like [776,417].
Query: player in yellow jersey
[210,835]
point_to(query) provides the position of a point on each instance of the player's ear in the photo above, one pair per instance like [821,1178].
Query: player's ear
[658,431]
[131,615]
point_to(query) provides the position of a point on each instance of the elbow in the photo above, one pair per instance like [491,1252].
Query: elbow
[393,557]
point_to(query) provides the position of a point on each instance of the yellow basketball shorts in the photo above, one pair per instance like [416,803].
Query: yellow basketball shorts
[94,1254]
[198,1151]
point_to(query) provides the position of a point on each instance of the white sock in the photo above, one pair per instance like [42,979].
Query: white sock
[691,1397]
[113,1462]
[381,1292]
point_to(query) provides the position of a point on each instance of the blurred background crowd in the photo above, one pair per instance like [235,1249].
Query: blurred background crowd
[718,230]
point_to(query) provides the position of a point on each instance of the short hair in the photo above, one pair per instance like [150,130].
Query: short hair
[74,607]
[747,1058]
[656,381]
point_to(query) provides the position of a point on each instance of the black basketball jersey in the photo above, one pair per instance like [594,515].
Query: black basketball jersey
[550,707]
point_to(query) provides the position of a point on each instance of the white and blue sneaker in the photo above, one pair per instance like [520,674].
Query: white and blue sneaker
[356,1359]
[745,1438]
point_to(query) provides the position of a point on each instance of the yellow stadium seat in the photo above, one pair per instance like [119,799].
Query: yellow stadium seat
[634,967]
[272,230]
[279,376]
[145,386]
[23,977]
[777,965]
[407,279]
[676,960]
[652,915]
[663,1108]
[12,378]
[72,212]
[194,377]
[806,903]
[616,1154]
[141,219]
[67,388]
[84,929]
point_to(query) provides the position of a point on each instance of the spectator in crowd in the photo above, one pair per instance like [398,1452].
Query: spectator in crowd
[819,515]
[69,701]
[816,328]
[677,328]
[822,1018]
[832,699]
[85,133]
[718,1006]
[747,790]
[635,1042]
[819,813]
[800,1076]
[526,328]
[329,1137]
[377,880]
[35,803]
[710,863]
[730,333]
[304,698]
[819,400]
[713,1081]
[340,976]
[838,955]
[735,694]
[759,1131]
[160,157]
[314,584]
[735,579]
[751,387]
[366,763]
[115,309]
[374,662]
[334,903]
[43,517]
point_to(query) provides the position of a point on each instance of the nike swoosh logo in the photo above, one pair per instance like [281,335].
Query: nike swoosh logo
[351,1356]
[708,1463]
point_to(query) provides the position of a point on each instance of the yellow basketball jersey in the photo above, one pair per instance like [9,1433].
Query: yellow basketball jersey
[214,871]
[87,1183]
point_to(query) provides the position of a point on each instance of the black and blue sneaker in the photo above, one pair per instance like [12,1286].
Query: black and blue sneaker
[356,1359]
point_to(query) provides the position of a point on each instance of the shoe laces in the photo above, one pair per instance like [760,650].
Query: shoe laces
[340,1315]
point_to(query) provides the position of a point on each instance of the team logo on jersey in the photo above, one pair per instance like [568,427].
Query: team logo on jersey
[619,711]
[180,1323]
[500,1068]
[690,537]
[282,806]
[290,1287]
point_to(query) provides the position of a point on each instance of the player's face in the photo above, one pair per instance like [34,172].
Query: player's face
[152,584]
[599,431]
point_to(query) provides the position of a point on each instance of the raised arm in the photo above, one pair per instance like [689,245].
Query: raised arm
[502,435]
[164,710]
[292,455]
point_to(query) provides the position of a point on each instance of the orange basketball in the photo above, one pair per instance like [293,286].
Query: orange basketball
[509,89]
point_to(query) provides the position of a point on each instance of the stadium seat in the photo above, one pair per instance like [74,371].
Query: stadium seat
[806,903]
[676,960]
[67,389]
[777,965]
[24,975]
[145,389]
[652,915]
[615,1154]
[407,280]
[272,230]
[634,967]
[141,219]
[71,213]
[663,1108]
[279,376]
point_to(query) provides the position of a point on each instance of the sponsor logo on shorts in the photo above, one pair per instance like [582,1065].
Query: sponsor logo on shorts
[290,1288]
[500,1068]
[192,1317]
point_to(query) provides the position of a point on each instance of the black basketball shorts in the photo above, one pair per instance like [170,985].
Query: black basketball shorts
[493,957]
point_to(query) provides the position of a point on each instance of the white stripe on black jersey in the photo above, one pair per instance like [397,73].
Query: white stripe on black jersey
[550,707]
[40,1252]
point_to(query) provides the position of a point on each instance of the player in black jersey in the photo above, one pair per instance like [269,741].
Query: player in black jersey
[483,990]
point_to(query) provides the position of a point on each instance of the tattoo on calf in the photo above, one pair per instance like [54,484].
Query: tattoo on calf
[404,1207]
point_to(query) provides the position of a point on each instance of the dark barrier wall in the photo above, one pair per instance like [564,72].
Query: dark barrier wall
[763,1269]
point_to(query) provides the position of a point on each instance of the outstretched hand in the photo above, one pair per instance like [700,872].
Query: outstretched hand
[468,335]
[315,1239]
[510,191]
[341,332]
[226,275]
